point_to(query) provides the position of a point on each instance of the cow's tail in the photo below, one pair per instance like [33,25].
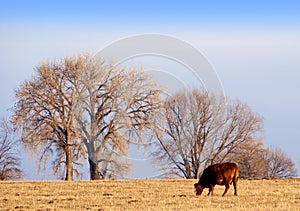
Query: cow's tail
[236,175]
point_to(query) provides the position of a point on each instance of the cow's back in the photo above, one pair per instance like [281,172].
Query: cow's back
[228,169]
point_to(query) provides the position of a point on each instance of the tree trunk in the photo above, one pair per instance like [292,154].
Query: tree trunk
[198,170]
[94,170]
[69,166]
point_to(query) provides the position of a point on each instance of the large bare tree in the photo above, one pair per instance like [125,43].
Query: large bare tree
[114,106]
[9,161]
[44,110]
[84,106]
[194,131]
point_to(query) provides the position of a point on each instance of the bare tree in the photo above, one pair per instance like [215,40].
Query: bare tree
[114,106]
[279,164]
[250,157]
[258,161]
[241,126]
[194,131]
[83,106]
[183,128]
[9,161]
[44,110]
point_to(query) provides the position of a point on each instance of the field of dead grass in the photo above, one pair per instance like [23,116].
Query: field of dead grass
[279,194]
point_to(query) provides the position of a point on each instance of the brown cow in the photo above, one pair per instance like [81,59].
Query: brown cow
[218,174]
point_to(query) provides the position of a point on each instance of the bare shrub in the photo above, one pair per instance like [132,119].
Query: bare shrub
[9,161]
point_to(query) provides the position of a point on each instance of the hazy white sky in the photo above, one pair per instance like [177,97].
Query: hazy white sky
[254,47]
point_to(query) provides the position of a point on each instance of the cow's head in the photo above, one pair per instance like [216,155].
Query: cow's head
[198,188]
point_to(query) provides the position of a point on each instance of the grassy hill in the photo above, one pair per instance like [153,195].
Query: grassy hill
[279,194]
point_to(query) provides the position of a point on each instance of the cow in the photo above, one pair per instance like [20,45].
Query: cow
[218,174]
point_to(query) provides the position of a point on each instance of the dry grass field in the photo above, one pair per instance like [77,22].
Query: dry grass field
[280,194]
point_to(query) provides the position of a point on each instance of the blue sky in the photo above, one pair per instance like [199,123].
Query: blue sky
[254,47]
[188,13]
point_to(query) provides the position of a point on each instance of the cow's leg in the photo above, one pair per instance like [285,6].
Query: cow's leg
[211,189]
[235,186]
[227,185]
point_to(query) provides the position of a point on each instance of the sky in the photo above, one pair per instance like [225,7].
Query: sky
[254,47]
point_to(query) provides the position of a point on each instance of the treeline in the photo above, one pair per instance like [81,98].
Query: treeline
[82,108]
